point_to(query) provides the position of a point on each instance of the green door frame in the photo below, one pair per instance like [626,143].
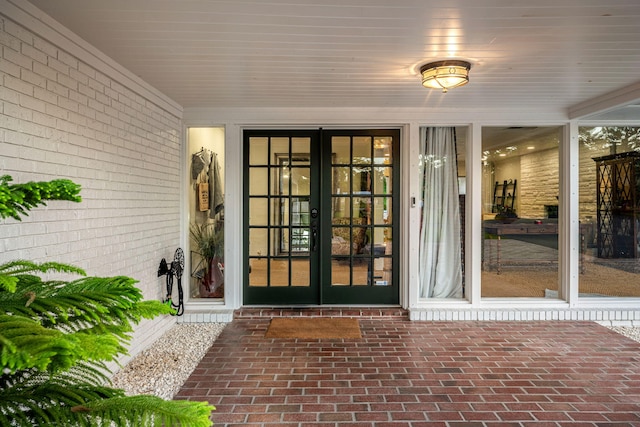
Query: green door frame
[371,294]
[320,290]
[280,295]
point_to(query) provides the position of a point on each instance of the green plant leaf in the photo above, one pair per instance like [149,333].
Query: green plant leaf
[56,337]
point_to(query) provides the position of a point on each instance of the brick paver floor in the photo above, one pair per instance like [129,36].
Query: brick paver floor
[403,373]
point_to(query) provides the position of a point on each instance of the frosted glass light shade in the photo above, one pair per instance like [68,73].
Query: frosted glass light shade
[445,75]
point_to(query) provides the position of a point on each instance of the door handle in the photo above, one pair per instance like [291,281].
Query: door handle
[314,229]
[314,236]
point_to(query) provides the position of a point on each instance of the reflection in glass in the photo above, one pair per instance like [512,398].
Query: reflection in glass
[279,272]
[300,240]
[300,145]
[361,209]
[279,211]
[341,149]
[382,210]
[258,211]
[259,151]
[383,234]
[258,182]
[360,239]
[341,178]
[382,150]
[362,149]
[520,215]
[300,272]
[361,272]
[274,236]
[609,211]
[382,180]
[258,242]
[300,181]
[359,243]
[284,240]
[340,272]
[258,275]
[381,269]
[341,207]
[282,176]
[361,180]
[340,241]
[279,217]
[279,147]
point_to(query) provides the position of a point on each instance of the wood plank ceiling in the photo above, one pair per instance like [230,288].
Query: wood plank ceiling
[538,54]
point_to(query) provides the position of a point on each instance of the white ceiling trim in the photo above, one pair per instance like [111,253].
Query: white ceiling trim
[603,104]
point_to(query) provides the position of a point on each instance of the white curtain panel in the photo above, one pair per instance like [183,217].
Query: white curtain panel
[440,268]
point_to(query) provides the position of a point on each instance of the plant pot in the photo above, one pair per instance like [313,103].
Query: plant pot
[506,218]
[212,284]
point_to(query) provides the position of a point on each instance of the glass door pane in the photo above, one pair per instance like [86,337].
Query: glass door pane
[360,200]
[279,189]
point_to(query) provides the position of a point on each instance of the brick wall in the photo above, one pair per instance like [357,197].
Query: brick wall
[61,117]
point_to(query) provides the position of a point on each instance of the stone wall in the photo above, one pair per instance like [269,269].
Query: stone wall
[539,183]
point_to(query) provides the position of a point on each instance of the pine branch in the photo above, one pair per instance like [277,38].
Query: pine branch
[48,401]
[10,272]
[45,400]
[21,266]
[17,199]
[145,410]
[55,337]
[82,304]
[90,324]
[27,344]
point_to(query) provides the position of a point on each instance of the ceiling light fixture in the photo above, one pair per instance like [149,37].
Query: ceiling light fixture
[445,75]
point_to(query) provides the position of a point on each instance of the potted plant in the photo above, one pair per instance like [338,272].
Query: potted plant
[506,214]
[209,243]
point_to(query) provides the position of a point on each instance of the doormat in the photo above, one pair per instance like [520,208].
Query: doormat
[313,328]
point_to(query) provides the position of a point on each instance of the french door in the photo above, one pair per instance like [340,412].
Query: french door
[321,209]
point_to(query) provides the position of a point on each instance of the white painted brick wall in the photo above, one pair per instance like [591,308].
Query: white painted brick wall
[627,317]
[62,118]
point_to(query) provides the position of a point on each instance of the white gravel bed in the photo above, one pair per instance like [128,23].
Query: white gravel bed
[627,331]
[162,368]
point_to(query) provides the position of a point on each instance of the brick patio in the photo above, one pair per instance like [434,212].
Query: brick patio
[403,373]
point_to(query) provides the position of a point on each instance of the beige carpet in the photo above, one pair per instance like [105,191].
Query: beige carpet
[532,281]
[313,328]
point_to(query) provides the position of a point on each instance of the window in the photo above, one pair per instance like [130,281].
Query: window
[520,184]
[206,212]
[609,211]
